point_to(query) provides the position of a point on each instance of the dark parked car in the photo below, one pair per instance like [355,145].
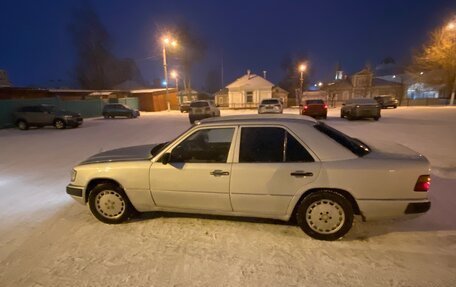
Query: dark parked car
[314,108]
[185,107]
[387,101]
[360,108]
[202,109]
[119,110]
[45,115]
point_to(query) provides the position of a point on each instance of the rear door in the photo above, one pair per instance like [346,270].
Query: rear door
[272,166]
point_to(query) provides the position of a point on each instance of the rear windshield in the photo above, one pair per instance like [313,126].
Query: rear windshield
[315,102]
[270,102]
[354,145]
[199,104]
[361,101]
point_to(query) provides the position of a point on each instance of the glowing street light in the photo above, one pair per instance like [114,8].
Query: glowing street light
[320,84]
[175,77]
[166,42]
[302,68]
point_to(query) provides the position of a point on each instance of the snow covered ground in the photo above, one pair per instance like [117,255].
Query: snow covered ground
[47,239]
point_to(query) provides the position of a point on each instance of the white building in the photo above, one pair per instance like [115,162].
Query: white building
[248,91]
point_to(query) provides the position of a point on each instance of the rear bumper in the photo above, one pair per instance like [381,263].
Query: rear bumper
[315,113]
[388,209]
[74,121]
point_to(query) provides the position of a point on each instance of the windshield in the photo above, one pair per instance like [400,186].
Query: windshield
[199,104]
[354,145]
[315,102]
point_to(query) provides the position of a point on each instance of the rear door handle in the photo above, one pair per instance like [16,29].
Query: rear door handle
[219,172]
[300,173]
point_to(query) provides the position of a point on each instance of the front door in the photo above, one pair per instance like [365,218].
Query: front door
[198,174]
[273,166]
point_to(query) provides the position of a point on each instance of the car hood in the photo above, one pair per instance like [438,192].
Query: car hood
[392,150]
[134,153]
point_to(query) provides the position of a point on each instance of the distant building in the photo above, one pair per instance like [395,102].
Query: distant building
[278,92]
[248,91]
[221,98]
[4,81]
[362,84]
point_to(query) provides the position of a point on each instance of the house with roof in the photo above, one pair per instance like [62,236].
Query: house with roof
[248,91]
[362,84]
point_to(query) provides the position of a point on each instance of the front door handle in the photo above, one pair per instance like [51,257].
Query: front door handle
[219,172]
[300,173]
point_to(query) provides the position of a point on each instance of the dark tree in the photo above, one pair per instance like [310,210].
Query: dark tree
[291,80]
[96,66]
[192,50]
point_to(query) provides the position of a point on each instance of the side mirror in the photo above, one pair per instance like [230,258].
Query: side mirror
[166,158]
[343,104]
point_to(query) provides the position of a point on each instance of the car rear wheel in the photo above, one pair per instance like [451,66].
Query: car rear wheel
[325,215]
[109,204]
[22,125]
[59,124]
[376,118]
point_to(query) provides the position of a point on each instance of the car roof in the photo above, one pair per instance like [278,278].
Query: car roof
[259,119]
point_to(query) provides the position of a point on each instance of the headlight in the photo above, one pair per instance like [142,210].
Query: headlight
[73,175]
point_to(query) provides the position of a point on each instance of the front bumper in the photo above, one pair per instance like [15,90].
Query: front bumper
[76,192]
[73,121]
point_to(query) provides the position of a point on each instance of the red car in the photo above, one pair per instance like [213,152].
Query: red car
[314,108]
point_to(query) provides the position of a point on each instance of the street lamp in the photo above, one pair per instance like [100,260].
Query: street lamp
[451,27]
[166,42]
[302,68]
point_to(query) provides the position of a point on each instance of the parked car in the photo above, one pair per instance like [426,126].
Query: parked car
[314,108]
[202,109]
[360,108]
[270,106]
[185,107]
[271,166]
[45,115]
[387,101]
[119,110]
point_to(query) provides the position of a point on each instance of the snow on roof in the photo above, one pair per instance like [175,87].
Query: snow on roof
[251,81]
[140,91]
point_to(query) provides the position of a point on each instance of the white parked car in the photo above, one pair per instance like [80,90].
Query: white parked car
[271,166]
[202,109]
[270,106]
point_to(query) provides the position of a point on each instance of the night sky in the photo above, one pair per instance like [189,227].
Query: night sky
[36,48]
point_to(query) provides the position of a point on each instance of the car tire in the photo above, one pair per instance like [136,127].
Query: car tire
[325,215]
[350,117]
[109,204]
[59,124]
[22,125]
[106,116]
[342,115]
[395,107]
[376,118]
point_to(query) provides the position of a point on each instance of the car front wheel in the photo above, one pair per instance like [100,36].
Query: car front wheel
[325,215]
[59,124]
[22,125]
[109,204]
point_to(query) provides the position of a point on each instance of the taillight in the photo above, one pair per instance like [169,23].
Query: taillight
[423,183]
[306,107]
[326,106]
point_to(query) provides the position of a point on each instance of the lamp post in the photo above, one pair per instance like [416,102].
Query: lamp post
[302,68]
[175,77]
[451,28]
[167,41]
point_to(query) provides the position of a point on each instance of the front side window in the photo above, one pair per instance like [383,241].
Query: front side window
[204,146]
[270,144]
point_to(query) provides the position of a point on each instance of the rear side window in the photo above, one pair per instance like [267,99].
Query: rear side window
[354,145]
[270,144]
